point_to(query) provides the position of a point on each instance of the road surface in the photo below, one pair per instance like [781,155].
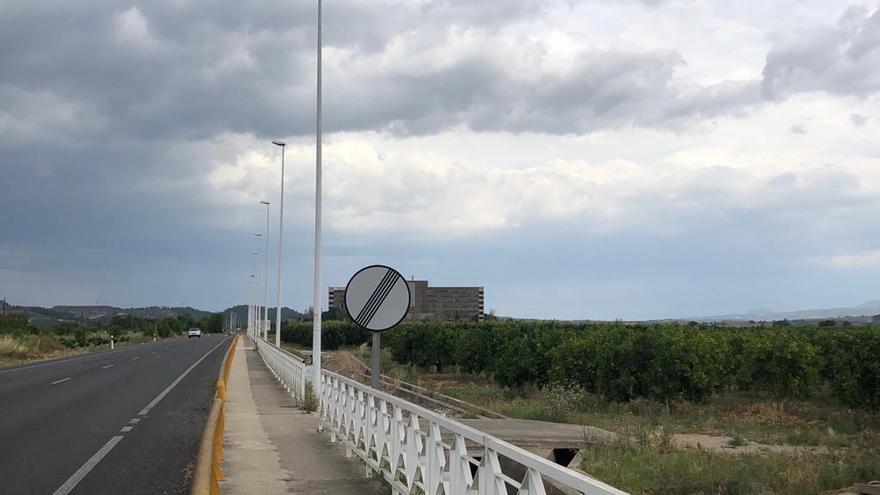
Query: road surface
[126,421]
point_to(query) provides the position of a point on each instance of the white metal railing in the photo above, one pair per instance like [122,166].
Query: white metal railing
[418,450]
[289,369]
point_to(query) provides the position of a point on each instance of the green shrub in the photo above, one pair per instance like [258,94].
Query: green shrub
[853,365]
[621,362]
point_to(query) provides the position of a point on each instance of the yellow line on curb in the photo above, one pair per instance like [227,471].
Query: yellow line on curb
[208,473]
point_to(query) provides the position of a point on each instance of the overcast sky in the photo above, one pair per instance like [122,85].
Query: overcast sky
[580,159]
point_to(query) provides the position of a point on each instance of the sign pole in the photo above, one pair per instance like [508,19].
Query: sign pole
[376,360]
[377,298]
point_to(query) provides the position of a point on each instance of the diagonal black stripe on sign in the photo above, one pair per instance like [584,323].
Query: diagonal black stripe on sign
[372,299]
[385,292]
[382,292]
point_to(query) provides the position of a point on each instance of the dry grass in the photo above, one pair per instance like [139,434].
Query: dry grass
[11,348]
[18,350]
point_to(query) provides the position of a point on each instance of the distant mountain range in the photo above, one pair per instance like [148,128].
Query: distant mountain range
[866,309]
[94,314]
[90,314]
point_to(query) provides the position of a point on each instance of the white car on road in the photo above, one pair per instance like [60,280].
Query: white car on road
[194,332]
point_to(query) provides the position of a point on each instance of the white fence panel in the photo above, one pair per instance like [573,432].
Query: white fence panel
[289,369]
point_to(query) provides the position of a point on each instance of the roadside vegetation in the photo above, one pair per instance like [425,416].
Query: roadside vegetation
[20,341]
[764,409]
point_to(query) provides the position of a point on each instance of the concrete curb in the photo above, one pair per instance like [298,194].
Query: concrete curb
[208,474]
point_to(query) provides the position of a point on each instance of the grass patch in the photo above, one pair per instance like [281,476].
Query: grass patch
[642,468]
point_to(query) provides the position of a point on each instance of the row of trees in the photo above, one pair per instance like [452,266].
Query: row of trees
[622,362]
[334,334]
[73,334]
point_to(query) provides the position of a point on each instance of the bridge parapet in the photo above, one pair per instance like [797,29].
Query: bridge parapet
[288,368]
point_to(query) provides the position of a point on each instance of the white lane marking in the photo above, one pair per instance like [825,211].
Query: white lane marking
[134,421]
[154,352]
[81,473]
[56,382]
[108,366]
[159,397]
[90,464]
[135,358]
[126,429]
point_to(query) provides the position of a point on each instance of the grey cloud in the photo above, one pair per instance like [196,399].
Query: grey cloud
[840,59]
[211,67]
[599,90]
[858,119]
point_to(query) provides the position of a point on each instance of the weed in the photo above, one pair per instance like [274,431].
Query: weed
[310,403]
[737,440]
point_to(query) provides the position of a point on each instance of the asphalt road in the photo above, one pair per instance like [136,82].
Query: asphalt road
[126,421]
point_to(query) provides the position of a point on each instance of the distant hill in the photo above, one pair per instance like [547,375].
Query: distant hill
[864,310]
[92,314]
[98,314]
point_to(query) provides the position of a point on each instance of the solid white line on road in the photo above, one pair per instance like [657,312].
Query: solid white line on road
[159,397]
[81,473]
[56,382]
[108,366]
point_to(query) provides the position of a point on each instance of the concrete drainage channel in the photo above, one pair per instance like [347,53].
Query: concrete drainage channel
[207,476]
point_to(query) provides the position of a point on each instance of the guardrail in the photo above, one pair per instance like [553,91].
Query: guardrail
[289,369]
[418,450]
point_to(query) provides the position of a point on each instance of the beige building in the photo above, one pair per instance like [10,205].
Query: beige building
[430,303]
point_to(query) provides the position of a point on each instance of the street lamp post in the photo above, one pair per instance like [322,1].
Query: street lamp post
[316,319]
[266,278]
[251,320]
[280,239]
[258,326]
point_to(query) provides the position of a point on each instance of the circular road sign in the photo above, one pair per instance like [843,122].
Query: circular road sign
[377,298]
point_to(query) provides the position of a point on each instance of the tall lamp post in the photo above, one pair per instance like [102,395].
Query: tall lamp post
[251,320]
[266,271]
[257,268]
[280,239]
[316,320]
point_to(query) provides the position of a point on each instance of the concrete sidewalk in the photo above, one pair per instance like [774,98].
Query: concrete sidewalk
[273,447]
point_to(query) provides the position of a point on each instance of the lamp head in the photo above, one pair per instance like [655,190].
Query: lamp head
[279,143]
